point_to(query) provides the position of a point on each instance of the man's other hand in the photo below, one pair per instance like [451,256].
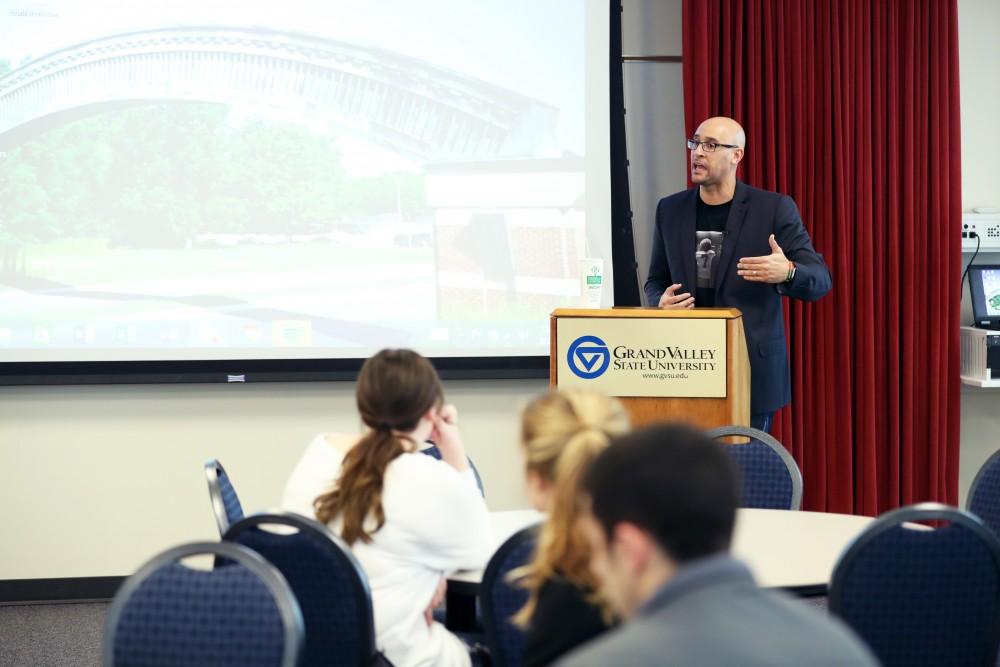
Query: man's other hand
[671,299]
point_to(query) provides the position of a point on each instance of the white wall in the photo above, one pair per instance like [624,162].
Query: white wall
[654,122]
[979,72]
[94,480]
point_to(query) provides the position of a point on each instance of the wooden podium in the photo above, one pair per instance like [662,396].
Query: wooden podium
[664,365]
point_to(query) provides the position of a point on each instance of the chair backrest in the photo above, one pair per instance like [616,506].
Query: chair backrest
[500,599]
[434,452]
[170,615]
[984,494]
[327,580]
[919,596]
[771,478]
[225,503]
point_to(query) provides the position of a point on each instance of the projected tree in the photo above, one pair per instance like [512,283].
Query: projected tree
[159,176]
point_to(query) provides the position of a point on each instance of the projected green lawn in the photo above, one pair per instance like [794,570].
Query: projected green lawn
[159,176]
[137,199]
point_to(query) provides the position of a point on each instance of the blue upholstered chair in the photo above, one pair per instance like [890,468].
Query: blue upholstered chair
[500,599]
[919,596]
[225,502]
[771,478]
[434,452]
[984,494]
[331,588]
[170,615]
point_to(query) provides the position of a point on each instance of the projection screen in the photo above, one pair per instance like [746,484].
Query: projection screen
[304,180]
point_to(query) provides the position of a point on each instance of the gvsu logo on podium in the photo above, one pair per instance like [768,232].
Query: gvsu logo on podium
[588,357]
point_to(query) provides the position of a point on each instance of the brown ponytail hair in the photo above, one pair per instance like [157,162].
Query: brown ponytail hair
[561,433]
[395,389]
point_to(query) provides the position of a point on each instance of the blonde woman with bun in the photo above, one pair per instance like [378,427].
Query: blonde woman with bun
[561,433]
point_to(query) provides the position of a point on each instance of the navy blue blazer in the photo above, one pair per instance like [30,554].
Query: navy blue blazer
[755,214]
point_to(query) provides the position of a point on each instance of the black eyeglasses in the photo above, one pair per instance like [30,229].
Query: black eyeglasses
[709,146]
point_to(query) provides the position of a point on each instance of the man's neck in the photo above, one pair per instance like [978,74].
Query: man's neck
[694,574]
[718,193]
[657,573]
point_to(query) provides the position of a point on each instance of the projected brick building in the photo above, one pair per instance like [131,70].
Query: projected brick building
[508,235]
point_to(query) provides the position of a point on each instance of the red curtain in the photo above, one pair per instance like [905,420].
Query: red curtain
[851,108]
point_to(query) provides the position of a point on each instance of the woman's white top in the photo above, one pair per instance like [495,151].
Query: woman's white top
[435,521]
[314,474]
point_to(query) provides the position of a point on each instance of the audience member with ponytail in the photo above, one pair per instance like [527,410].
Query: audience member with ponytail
[408,517]
[561,433]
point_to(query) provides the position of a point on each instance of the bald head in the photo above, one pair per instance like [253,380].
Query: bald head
[723,130]
[714,159]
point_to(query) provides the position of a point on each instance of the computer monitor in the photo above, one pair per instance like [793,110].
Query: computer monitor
[985,283]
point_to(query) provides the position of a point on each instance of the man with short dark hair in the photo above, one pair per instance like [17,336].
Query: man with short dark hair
[662,504]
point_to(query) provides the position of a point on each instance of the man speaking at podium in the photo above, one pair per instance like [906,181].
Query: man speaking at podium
[725,244]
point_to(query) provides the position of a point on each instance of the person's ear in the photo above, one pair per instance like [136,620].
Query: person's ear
[537,480]
[539,490]
[737,156]
[633,546]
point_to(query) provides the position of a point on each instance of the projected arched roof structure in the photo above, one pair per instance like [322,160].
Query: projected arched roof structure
[416,108]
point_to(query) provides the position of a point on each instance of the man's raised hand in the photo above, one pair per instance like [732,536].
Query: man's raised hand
[771,268]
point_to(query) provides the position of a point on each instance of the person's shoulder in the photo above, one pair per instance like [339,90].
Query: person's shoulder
[340,442]
[411,481]
[560,597]
[319,448]
[422,470]
[317,440]
[624,645]
[767,199]
[761,194]
[744,612]
[328,447]
[677,197]
[437,505]
[410,462]
[559,587]
[315,473]
[824,631]
[562,591]
[564,618]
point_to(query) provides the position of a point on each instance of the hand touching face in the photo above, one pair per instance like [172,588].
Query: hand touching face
[447,438]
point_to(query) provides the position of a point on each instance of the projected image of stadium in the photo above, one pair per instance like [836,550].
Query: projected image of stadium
[237,180]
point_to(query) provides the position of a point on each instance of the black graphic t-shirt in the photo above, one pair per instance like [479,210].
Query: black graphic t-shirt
[710,224]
